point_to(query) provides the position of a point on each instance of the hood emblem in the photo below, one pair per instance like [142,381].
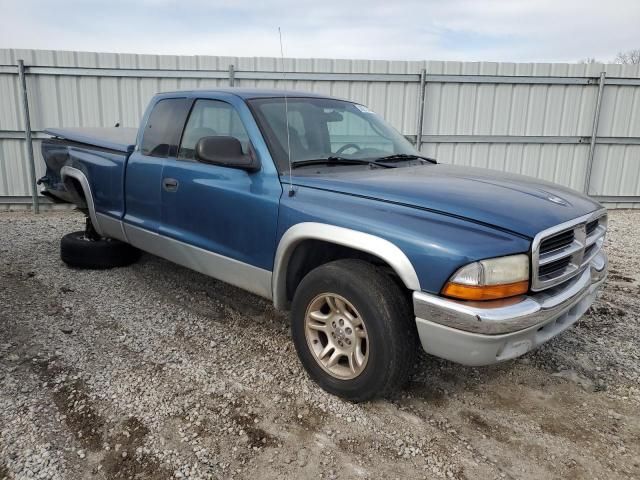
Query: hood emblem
[555,199]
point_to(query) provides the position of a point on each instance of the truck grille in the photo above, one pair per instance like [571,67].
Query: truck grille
[554,267]
[557,241]
[591,226]
[562,252]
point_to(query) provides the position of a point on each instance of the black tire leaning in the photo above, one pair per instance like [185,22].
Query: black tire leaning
[77,251]
[390,325]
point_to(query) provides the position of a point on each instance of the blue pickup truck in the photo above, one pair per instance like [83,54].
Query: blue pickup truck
[319,205]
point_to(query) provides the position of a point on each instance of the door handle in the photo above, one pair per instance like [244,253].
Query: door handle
[170,184]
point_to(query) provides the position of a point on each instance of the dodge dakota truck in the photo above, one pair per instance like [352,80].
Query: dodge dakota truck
[322,207]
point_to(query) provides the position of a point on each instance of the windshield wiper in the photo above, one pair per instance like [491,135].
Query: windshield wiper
[400,157]
[337,161]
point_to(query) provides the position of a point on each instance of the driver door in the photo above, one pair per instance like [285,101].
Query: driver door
[228,212]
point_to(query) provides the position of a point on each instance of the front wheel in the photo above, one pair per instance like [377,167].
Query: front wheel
[353,330]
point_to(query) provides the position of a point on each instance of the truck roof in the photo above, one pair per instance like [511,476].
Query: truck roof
[247,93]
[124,139]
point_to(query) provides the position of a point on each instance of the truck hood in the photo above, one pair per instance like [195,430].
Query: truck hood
[516,203]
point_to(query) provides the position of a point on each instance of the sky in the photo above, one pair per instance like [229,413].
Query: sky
[463,30]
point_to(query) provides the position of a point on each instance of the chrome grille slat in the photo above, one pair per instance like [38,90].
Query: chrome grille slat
[592,250]
[570,272]
[596,234]
[562,252]
[591,226]
[549,268]
[554,255]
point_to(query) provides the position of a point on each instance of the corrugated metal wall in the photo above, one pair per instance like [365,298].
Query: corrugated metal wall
[479,114]
[542,110]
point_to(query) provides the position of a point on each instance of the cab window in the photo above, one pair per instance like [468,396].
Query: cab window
[310,128]
[162,131]
[210,118]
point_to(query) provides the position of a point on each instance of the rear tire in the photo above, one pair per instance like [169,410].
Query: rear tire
[80,251]
[366,306]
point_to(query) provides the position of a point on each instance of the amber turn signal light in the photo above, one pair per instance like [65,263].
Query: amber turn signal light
[485,292]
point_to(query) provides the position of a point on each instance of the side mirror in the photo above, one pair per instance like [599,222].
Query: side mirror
[225,151]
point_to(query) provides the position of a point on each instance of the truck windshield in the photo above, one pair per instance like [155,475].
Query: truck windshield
[320,128]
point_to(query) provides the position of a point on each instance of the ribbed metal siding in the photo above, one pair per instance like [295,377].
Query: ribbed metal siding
[451,109]
[616,170]
[553,110]
[489,109]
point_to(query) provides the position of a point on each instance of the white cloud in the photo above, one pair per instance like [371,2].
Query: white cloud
[502,30]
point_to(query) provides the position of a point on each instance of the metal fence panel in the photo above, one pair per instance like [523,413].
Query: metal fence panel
[14,169]
[620,115]
[507,109]
[616,171]
[534,119]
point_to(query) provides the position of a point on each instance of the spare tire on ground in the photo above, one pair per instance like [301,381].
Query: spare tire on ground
[79,250]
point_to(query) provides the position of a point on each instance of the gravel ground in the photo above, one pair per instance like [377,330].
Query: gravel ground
[154,371]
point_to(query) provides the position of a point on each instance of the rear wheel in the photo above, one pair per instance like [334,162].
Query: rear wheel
[85,249]
[353,330]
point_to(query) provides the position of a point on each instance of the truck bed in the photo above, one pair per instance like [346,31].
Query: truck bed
[115,138]
[99,154]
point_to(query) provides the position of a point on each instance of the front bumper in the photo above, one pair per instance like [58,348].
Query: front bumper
[483,333]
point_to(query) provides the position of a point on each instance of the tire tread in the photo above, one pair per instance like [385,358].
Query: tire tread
[98,254]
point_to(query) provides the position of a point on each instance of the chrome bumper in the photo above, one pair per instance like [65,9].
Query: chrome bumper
[482,333]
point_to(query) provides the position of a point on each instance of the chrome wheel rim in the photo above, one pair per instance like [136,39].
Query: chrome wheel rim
[336,336]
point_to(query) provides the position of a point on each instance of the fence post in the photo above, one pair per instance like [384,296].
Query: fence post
[594,133]
[28,139]
[232,75]
[423,84]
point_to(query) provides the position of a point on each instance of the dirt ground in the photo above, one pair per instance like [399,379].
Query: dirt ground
[153,371]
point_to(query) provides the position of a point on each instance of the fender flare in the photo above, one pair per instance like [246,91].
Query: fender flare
[76,174]
[365,242]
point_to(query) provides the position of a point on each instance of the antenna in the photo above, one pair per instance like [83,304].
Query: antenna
[286,117]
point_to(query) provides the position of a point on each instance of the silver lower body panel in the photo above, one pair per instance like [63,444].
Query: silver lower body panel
[234,272]
[229,270]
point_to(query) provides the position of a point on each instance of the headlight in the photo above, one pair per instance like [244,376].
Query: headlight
[490,279]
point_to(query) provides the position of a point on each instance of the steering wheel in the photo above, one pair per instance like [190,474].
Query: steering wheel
[347,147]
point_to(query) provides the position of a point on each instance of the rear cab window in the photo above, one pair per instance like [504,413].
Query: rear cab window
[164,126]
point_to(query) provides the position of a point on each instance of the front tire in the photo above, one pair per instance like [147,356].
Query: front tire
[81,250]
[353,330]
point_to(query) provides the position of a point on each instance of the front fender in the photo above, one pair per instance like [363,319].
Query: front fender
[423,247]
[365,242]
